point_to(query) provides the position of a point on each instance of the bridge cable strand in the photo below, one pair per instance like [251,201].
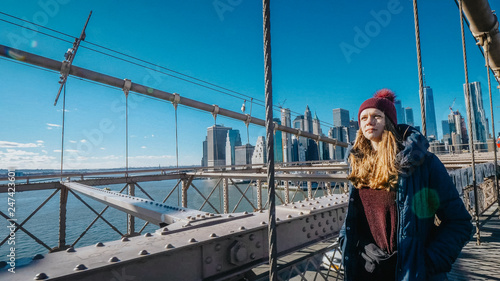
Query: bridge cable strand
[469,115]
[273,255]
[62,129]
[420,74]
[486,46]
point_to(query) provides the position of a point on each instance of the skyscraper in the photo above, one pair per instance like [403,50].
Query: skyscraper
[286,137]
[278,143]
[430,114]
[308,122]
[233,139]
[400,112]
[340,117]
[409,116]
[478,118]
[216,145]
[259,153]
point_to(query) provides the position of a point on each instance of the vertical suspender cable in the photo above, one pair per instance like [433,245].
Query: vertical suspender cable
[177,153]
[62,129]
[471,134]
[126,135]
[273,275]
[420,75]
[486,45]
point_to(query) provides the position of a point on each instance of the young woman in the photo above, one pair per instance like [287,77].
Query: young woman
[405,219]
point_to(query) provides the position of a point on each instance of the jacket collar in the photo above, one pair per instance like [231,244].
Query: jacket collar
[415,147]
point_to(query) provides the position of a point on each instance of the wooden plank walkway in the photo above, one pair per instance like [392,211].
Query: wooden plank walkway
[481,262]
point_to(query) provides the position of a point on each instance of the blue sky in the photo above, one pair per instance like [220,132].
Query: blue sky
[319,59]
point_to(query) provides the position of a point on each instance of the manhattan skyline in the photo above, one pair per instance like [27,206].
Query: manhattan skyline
[311,65]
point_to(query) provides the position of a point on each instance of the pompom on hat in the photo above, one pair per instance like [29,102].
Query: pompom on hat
[383,100]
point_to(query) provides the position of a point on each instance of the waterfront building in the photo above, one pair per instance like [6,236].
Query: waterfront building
[430,114]
[400,112]
[259,153]
[233,139]
[243,154]
[216,145]
[409,116]
[340,117]
[478,118]
[286,137]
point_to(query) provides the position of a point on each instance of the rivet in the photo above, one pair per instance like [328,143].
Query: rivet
[304,229]
[70,250]
[313,208]
[113,259]
[308,235]
[328,205]
[242,228]
[262,222]
[80,267]
[294,207]
[203,216]
[331,227]
[257,245]
[41,276]
[148,234]
[327,222]
[252,256]
[38,257]
[312,226]
[319,224]
[99,244]
[188,217]
[192,240]
[317,202]
[198,215]
[277,219]
[208,260]
[251,237]
[321,207]
[310,203]
[302,205]
[324,230]
[169,246]
[213,235]
[193,218]
[125,239]
[307,220]
[219,267]
[316,232]
[143,253]
[229,216]
[289,216]
[217,247]
[301,213]
[245,213]
[211,215]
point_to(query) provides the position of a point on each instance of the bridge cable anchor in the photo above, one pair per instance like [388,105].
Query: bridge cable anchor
[176,100]
[215,112]
[126,86]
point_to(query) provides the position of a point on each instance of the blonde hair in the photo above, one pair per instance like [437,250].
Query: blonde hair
[374,169]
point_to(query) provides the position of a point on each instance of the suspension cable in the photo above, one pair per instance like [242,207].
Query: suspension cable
[471,133]
[62,129]
[420,74]
[273,253]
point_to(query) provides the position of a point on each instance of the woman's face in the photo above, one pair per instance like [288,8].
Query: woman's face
[372,124]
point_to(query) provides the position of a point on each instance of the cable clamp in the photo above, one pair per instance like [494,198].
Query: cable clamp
[318,139]
[176,100]
[247,121]
[66,65]
[485,37]
[299,133]
[216,111]
[127,84]
[275,127]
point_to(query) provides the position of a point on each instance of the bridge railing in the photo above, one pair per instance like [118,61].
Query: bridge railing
[227,194]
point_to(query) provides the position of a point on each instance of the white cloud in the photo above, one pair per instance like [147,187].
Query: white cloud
[143,147]
[11,144]
[26,159]
[56,150]
[83,140]
[72,141]
[44,151]
[53,125]
[70,150]
[102,148]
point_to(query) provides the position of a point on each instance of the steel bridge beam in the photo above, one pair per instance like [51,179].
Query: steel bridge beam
[203,250]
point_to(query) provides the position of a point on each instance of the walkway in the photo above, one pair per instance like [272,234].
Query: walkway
[481,262]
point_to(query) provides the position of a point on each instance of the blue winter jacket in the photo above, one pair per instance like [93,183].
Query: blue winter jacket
[425,190]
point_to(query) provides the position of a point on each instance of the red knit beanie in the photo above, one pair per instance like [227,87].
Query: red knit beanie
[383,100]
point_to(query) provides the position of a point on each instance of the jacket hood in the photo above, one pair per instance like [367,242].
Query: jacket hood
[415,147]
